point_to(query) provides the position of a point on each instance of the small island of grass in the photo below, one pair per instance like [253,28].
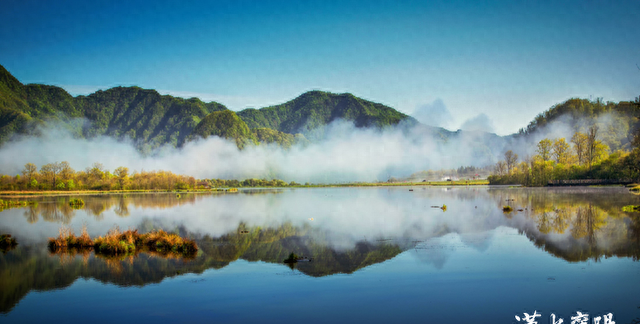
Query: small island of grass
[76,203]
[6,204]
[126,242]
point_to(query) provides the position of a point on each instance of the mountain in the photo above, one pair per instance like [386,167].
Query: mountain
[285,140]
[225,124]
[146,117]
[314,109]
[618,122]
[152,120]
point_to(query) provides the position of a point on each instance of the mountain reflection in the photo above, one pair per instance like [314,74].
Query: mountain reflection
[57,270]
[343,230]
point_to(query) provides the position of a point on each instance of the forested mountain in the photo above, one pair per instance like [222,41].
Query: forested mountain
[268,135]
[617,122]
[225,124]
[314,109]
[152,120]
[145,116]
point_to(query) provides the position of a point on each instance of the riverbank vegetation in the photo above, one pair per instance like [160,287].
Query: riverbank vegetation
[587,157]
[605,145]
[60,178]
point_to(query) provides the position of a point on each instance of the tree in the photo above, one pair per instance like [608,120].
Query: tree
[122,174]
[30,171]
[544,149]
[501,166]
[95,173]
[595,148]
[561,151]
[66,172]
[510,159]
[51,171]
[579,141]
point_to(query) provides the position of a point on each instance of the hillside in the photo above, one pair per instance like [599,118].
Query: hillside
[152,120]
[313,109]
[271,136]
[618,121]
[225,124]
[148,118]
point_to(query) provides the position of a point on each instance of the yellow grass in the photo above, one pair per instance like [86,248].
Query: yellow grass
[117,242]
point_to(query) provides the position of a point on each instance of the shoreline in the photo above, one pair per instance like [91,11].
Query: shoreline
[18,194]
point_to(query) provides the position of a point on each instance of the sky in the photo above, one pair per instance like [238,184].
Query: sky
[487,65]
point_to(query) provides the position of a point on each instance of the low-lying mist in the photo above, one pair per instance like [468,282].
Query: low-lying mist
[344,153]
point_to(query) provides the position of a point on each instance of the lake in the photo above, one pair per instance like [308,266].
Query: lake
[380,255]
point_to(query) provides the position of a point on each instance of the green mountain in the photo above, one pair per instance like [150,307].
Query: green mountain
[618,121]
[148,118]
[314,109]
[270,136]
[152,120]
[225,124]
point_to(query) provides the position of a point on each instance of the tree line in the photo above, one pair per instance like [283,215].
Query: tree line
[60,176]
[585,156]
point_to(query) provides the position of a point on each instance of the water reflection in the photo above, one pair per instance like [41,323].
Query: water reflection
[351,229]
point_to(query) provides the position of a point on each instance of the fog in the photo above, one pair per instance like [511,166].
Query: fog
[345,153]
[343,216]
[341,152]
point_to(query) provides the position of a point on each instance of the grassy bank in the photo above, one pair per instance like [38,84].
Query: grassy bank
[15,193]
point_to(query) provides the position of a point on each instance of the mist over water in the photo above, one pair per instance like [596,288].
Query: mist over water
[342,217]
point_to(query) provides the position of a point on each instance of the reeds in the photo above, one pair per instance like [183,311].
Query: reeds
[117,242]
[631,208]
[67,239]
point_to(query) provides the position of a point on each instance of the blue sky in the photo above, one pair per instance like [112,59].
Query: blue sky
[507,61]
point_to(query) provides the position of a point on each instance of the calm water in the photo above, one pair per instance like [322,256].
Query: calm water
[381,255]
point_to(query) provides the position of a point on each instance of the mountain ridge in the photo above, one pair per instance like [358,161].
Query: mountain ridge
[152,120]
